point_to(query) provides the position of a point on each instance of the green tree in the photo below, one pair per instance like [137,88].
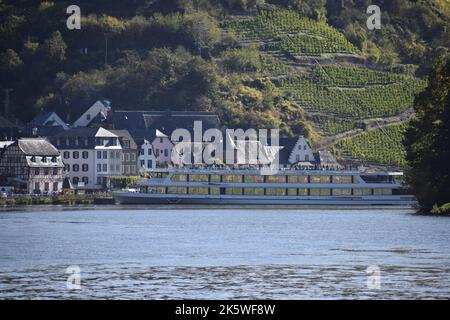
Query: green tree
[427,141]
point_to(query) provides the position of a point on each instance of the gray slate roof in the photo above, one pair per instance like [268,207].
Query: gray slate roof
[143,124]
[37,147]
[125,134]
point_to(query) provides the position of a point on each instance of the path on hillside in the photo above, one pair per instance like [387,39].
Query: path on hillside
[328,141]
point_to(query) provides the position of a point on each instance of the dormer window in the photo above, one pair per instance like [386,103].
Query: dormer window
[44,159]
[88,117]
[53,159]
[33,159]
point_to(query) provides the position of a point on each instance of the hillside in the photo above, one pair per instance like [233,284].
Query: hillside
[306,67]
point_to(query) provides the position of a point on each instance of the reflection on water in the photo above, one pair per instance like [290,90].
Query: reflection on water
[224,254]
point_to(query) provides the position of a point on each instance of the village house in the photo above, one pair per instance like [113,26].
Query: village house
[95,116]
[130,152]
[90,156]
[147,159]
[32,165]
[45,124]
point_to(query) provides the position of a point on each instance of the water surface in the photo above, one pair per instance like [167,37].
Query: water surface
[130,253]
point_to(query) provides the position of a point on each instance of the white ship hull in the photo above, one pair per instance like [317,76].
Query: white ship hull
[148,198]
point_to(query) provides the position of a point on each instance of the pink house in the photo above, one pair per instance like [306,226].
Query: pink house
[162,147]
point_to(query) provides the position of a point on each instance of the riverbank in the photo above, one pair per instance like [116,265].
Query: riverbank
[62,199]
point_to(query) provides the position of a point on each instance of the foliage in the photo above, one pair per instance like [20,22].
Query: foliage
[427,141]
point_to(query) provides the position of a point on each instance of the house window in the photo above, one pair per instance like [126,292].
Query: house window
[58,142]
[105,167]
[161,140]
[37,186]
[117,167]
[66,154]
[105,155]
[55,171]
[126,144]
[99,168]
[127,169]
[127,157]
[85,167]
[76,154]
[111,168]
[157,152]
[67,167]
[133,169]
[55,186]
[166,152]
[46,172]
[304,147]
[75,180]
[76,168]
[67,141]
[142,152]
[99,154]
[85,155]
[99,180]
[297,158]
[88,117]
[85,180]
[307,157]
[149,164]
[47,186]
[149,151]
[133,157]
[36,171]
[142,163]
[86,141]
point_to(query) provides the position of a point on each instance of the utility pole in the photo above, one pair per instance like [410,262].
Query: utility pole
[106,49]
[7,100]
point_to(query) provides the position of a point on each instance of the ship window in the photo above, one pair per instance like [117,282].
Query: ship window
[254,179]
[362,192]
[161,190]
[342,179]
[195,190]
[215,190]
[275,191]
[215,178]
[320,192]
[254,191]
[176,190]
[302,192]
[342,192]
[292,192]
[198,178]
[179,178]
[382,192]
[276,179]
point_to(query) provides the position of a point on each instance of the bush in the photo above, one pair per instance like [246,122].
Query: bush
[25,200]
[442,210]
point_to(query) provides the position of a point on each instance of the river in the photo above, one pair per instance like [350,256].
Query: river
[173,253]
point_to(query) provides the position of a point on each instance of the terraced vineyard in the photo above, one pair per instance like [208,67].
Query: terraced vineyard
[287,32]
[333,126]
[383,145]
[337,96]
[366,102]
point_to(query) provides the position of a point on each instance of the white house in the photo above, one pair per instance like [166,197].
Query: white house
[147,158]
[98,111]
[108,159]
[301,152]
[90,156]
[162,147]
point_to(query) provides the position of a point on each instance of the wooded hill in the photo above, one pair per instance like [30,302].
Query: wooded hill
[307,67]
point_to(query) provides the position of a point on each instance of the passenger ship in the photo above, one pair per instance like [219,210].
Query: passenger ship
[285,187]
